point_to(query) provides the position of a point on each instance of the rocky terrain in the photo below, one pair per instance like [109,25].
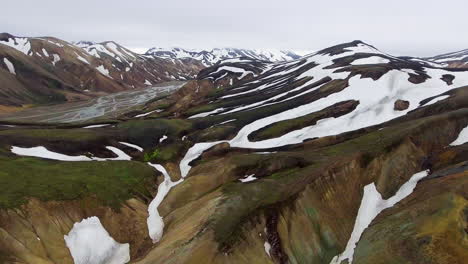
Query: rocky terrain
[347,155]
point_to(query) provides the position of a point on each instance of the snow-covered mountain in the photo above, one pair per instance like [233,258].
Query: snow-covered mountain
[457,59]
[213,56]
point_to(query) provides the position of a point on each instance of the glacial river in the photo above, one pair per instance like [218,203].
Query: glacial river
[110,106]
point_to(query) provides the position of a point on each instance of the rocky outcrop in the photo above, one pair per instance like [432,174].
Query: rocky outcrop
[401,105]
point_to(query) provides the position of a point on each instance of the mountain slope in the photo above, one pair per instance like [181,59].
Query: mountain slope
[79,72]
[457,59]
[211,57]
[257,162]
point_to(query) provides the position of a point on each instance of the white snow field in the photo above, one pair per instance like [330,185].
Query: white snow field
[90,243]
[371,206]
[103,71]
[21,44]
[462,138]
[97,126]
[155,221]
[132,146]
[248,178]
[42,152]
[10,66]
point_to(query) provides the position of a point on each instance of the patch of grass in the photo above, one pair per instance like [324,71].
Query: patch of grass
[112,183]
[149,156]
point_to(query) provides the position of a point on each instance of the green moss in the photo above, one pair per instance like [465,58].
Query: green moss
[111,182]
[146,132]
[77,135]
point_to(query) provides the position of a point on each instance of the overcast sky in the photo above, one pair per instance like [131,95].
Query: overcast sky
[399,27]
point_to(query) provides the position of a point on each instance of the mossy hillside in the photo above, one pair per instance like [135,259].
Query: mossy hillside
[254,97]
[67,141]
[166,152]
[146,133]
[112,182]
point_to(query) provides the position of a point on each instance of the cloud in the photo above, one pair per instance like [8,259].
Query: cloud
[399,27]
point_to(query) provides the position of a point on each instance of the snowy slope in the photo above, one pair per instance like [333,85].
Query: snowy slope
[375,89]
[453,59]
[211,57]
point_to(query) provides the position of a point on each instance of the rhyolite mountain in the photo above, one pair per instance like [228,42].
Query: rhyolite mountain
[347,155]
[44,70]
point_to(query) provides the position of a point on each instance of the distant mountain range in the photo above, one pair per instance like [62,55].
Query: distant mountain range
[44,70]
[213,56]
[41,70]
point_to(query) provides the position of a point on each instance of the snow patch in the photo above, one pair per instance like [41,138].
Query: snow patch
[56,59]
[10,66]
[103,71]
[42,152]
[162,138]
[437,99]
[21,44]
[90,243]
[248,178]
[97,126]
[193,153]
[462,138]
[155,221]
[370,60]
[145,114]
[85,61]
[371,205]
[132,146]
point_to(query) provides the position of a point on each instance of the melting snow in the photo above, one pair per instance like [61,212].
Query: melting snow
[148,82]
[21,44]
[437,99]
[45,52]
[42,152]
[10,66]
[85,60]
[462,138]
[132,146]
[145,114]
[248,178]
[90,243]
[193,153]
[370,60]
[56,59]
[162,138]
[103,70]
[155,221]
[371,205]
[96,126]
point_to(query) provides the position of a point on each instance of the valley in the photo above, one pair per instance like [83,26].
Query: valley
[107,106]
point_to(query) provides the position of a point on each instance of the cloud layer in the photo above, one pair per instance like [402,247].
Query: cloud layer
[400,27]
